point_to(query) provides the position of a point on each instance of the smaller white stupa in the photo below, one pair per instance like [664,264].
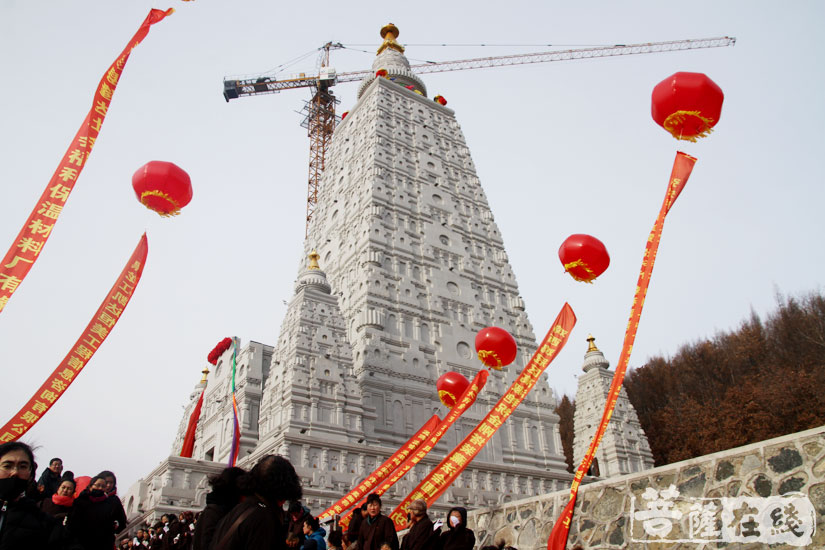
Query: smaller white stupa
[624,448]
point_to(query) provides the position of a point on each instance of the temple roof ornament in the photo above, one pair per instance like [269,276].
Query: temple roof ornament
[594,358]
[390,57]
[312,276]
[389,33]
[313,260]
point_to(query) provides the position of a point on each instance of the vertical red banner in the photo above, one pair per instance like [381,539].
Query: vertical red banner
[443,475]
[682,167]
[189,439]
[38,227]
[96,332]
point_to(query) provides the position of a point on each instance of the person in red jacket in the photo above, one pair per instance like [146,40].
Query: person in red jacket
[377,529]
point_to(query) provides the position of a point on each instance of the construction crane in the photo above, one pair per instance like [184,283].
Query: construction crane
[319,112]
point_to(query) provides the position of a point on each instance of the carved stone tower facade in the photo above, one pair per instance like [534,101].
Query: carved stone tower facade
[624,448]
[410,265]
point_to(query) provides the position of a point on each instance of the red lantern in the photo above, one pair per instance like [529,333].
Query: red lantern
[162,187]
[450,386]
[381,72]
[584,257]
[344,115]
[495,347]
[687,105]
[440,100]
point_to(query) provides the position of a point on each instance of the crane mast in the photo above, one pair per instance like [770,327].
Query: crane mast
[319,112]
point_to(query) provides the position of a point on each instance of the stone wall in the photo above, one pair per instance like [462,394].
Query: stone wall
[604,517]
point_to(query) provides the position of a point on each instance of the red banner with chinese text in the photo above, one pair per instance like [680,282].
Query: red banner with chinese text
[682,167]
[96,332]
[443,475]
[38,227]
[463,403]
[382,471]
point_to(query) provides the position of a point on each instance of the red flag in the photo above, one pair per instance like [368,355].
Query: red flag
[189,439]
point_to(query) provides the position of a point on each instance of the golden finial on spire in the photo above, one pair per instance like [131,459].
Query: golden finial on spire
[205,372]
[313,260]
[591,343]
[389,33]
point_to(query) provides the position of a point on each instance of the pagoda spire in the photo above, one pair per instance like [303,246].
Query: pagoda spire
[389,33]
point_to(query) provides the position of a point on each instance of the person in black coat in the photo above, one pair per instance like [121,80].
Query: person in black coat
[50,478]
[225,495]
[297,515]
[259,522]
[22,523]
[354,526]
[95,518]
[458,537]
[60,504]
[377,529]
[421,535]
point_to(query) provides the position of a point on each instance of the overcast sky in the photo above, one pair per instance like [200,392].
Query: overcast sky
[560,148]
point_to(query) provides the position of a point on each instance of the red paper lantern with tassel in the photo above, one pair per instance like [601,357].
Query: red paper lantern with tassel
[496,347]
[687,105]
[450,386]
[584,257]
[162,187]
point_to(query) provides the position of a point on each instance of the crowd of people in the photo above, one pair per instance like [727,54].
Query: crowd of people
[244,511]
[58,511]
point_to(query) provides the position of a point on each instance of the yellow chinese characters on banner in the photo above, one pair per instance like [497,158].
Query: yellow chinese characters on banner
[382,471]
[464,402]
[443,475]
[682,168]
[38,227]
[96,332]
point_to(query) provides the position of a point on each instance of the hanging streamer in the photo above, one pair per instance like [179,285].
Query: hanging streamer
[38,227]
[464,402]
[236,427]
[682,167]
[96,332]
[389,465]
[443,475]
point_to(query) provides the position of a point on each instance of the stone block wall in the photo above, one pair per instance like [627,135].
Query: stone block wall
[604,517]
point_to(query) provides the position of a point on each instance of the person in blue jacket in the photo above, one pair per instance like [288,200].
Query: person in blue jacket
[314,535]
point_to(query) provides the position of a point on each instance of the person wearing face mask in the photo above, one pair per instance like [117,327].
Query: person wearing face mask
[94,520]
[458,537]
[60,503]
[22,523]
